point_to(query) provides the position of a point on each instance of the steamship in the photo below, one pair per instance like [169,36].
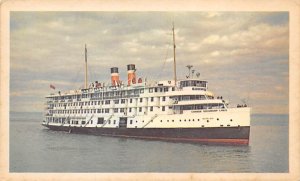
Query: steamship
[170,110]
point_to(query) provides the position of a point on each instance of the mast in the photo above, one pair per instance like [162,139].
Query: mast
[174,47]
[85,77]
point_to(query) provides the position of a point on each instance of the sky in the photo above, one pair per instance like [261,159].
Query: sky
[244,56]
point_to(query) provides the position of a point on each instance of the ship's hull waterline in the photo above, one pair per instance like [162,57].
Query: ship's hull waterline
[214,135]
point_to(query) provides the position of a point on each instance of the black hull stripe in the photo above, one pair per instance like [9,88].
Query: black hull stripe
[227,135]
[200,140]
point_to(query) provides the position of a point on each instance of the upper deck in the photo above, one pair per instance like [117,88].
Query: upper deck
[167,87]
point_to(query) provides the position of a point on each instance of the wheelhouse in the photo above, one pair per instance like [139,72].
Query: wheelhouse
[193,83]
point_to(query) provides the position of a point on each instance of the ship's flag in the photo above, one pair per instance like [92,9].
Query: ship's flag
[52,86]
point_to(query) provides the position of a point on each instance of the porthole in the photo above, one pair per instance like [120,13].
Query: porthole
[198,119]
[167,120]
[193,119]
[217,119]
[228,124]
[202,126]
[189,120]
[207,121]
[172,120]
[230,119]
[160,120]
[185,120]
[221,125]
[180,120]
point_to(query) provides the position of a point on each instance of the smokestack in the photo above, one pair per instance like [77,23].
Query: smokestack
[115,79]
[131,74]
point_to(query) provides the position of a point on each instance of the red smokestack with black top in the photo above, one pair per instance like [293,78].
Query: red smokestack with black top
[131,74]
[115,79]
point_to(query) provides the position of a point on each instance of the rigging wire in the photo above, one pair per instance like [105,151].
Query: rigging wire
[167,53]
[76,78]
[91,74]
[166,57]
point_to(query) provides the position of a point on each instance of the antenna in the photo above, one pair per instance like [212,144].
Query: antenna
[193,71]
[174,47]
[189,67]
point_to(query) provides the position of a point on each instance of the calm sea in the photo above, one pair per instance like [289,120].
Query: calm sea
[34,148]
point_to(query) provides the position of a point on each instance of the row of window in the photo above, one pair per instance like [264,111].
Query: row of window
[195,83]
[106,110]
[114,93]
[202,106]
[102,121]
[190,97]
[88,103]
[140,109]
[63,120]
[194,88]
[160,89]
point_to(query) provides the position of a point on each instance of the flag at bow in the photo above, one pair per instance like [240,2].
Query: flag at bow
[52,86]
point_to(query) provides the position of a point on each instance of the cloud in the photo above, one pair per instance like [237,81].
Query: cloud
[257,41]
[214,39]
[240,53]
[215,54]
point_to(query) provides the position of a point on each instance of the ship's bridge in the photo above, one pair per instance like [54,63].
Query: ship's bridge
[193,84]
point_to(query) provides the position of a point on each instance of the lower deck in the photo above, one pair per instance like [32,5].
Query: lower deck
[227,135]
[229,118]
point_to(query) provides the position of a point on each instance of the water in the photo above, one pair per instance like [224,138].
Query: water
[37,149]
